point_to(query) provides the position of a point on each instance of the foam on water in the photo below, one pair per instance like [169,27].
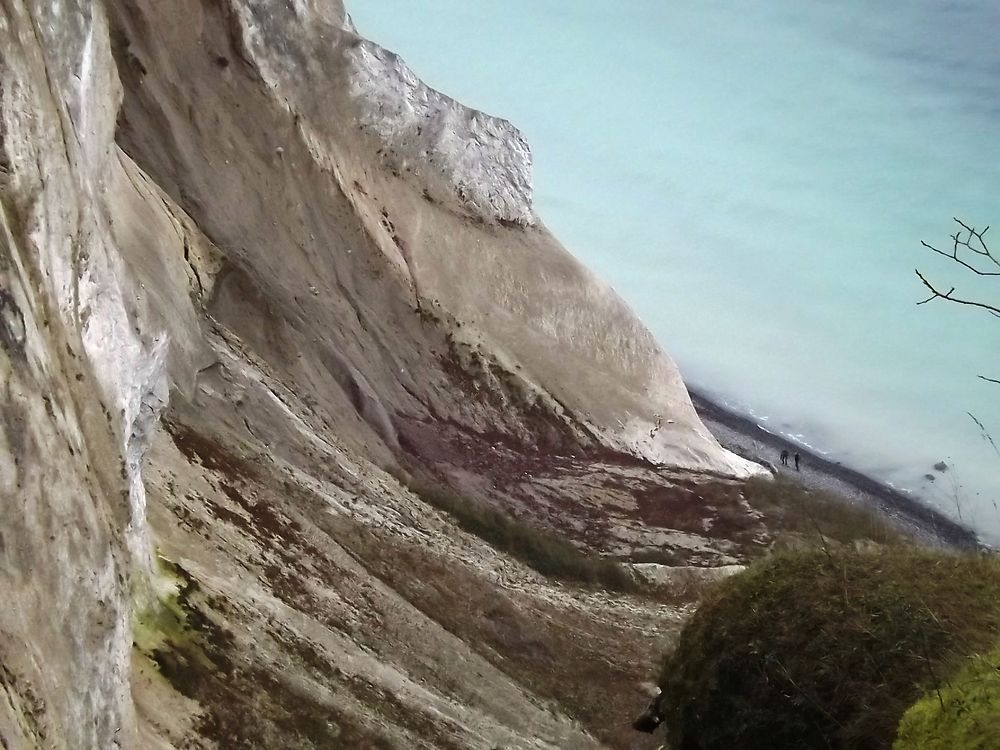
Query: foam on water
[755,178]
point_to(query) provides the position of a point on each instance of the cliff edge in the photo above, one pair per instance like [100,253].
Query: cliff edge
[255,280]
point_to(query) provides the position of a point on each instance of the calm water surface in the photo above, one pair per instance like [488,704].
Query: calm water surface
[755,178]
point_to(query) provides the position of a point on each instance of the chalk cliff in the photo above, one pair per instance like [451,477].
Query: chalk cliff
[253,273]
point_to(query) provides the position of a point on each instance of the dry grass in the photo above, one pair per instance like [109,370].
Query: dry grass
[796,516]
[546,553]
[590,668]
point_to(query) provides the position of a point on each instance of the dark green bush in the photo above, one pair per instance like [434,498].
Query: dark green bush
[825,650]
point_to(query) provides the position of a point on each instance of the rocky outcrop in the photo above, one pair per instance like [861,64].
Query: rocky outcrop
[252,273]
[474,162]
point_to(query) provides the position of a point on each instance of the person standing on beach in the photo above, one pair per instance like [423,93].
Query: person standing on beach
[796,460]
[784,458]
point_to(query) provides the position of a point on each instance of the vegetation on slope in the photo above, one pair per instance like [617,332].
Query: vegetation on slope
[545,552]
[826,648]
[242,705]
[797,517]
[962,714]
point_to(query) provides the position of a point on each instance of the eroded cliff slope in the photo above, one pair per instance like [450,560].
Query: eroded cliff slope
[254,278]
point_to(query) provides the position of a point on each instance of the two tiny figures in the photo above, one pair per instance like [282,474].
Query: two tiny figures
[784,459]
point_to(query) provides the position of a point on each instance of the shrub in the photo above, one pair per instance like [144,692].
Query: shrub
[963,714]
[540,550]
[822,649]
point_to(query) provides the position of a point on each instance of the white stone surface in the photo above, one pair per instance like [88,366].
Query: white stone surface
[458,155]
[368,222]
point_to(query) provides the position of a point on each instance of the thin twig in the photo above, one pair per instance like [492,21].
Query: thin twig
[982,429]
[953,255]
[949,296]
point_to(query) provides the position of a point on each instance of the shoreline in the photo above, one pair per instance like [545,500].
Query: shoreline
[746,438]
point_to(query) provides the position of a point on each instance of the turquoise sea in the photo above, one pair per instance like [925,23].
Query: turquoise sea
[755,178]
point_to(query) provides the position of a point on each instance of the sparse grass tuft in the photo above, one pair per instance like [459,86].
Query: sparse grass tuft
[798,517]
[540,550]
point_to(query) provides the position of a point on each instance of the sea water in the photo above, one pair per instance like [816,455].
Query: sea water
[755,178]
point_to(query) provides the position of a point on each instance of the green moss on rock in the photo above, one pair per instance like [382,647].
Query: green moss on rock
[825,650]
[161,618]
[244,704]
[962,714]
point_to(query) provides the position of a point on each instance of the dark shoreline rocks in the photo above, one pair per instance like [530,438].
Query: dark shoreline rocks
[743,436]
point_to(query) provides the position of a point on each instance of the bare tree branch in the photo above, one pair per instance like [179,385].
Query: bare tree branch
[983,249]
[970,251]
[953,255]
[973,241]
[950,297]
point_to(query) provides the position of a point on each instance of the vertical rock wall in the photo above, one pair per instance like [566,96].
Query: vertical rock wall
[68,500]
[97,326]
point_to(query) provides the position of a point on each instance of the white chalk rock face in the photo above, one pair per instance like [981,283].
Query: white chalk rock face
[251,267]
[68,511]
[85,353]
[455,154]
[444,192]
